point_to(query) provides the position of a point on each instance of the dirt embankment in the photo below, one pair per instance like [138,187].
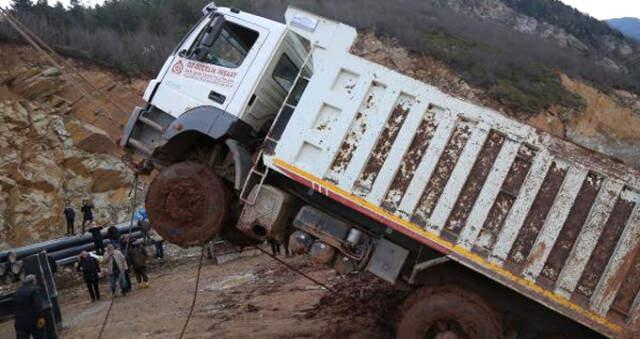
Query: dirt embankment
[58,145]
[608,123]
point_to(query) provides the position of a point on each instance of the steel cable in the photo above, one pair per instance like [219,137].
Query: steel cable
[134,189]
[195,296]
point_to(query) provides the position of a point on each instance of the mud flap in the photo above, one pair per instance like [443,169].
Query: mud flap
[387,260]
[242,162]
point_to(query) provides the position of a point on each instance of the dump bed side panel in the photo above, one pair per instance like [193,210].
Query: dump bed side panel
[552,220]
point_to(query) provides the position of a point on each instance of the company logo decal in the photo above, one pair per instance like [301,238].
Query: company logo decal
[178,67]
[208,73]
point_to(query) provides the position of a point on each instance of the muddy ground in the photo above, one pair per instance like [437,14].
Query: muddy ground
[253,296]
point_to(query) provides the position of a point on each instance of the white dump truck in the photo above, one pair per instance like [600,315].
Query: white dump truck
[259,130]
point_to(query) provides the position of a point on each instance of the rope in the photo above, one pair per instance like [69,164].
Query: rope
[195,292]
[297,271]
[195,296]
[348,298]
[134,189]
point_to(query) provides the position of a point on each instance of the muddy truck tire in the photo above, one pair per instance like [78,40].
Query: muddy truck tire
[188,203]
[447,312]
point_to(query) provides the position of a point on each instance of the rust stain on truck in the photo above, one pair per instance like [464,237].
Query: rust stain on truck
[476,180]
[504,201]
[570,230]
[440,177]
[383,145]
[410,162]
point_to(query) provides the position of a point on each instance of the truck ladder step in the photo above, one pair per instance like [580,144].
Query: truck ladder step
[261,174]
[151,124]
[140,145]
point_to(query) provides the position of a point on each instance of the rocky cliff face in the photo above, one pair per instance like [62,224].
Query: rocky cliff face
[542,19]
[51,153]
[499,12]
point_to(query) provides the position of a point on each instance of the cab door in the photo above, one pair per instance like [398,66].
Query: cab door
[210,66]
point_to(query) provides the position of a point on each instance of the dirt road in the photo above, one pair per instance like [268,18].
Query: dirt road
[249,297]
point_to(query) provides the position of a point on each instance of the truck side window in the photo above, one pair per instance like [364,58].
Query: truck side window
[228,49]
[285,72]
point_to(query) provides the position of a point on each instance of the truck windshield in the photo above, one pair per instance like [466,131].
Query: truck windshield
[228,49]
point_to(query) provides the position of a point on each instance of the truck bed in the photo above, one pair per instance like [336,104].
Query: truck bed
[554,221]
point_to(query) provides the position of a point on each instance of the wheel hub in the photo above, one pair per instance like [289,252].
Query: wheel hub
[185,201]
[446,329]
[188,204]
[446,335]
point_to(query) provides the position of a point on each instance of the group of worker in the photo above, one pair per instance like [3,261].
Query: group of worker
[122,255]
[118,260]
[70,216]
[115,261]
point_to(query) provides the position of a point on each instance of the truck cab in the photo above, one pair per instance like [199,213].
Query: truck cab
[212,106]
[228,56]
[226,79]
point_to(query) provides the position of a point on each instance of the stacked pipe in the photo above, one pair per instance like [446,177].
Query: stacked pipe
[63,250]
[66,249]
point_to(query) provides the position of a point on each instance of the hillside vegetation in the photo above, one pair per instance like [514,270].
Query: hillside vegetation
[519,67]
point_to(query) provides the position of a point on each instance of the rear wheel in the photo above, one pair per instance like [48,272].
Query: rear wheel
[448,313]
[188,203]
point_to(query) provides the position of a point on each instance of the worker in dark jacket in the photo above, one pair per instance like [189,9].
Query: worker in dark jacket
[87,214]
[158,243]
[137,258]
[114,235]
[95,231]
[29,310]
[91,274]
[69,216]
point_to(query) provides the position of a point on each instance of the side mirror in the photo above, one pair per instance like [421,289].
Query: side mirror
[209,37]
[183,53]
